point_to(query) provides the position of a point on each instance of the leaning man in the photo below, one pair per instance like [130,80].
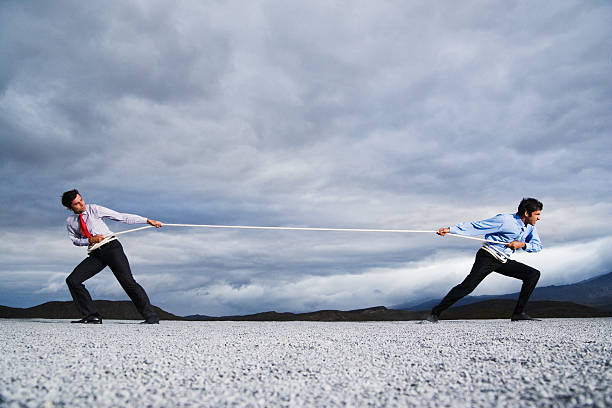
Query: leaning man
[86,227]
[512,231]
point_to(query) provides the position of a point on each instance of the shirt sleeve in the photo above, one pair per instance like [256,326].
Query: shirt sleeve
[76,238]
[103,212]
[483,227]
[532,242]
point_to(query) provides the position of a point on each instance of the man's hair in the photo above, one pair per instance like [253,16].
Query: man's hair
[530,205]
[68,197]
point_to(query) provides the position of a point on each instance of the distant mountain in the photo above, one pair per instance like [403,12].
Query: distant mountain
[489,309]
[378,313]
[595,292]
[429,304]
[502,309]
[119,310]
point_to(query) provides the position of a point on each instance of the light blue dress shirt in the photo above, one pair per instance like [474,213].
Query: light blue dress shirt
[94,220]
[503,228]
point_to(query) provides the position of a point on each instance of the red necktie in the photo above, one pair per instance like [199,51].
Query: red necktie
[84,227]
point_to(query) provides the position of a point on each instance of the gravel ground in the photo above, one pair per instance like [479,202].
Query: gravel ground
[556,362]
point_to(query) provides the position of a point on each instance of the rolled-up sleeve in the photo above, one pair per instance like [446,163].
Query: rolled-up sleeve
[532,242]
[76,237]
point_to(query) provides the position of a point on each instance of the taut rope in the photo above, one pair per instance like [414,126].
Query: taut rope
[112,236]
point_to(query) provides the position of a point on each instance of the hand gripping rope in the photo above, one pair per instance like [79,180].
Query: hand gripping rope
[113,236]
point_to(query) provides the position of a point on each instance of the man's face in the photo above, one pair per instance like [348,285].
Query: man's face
[78,205]
[533,218]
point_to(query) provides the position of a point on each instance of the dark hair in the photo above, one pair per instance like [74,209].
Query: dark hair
[68,197]
[530,205]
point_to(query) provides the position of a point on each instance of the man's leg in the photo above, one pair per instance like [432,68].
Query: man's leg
[483,265]
[89,267]
[527,274]
[114,256]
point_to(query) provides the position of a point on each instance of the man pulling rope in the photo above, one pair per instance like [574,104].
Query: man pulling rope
[512,231]
[86,228]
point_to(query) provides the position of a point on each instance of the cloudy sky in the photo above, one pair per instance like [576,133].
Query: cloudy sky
[393,114]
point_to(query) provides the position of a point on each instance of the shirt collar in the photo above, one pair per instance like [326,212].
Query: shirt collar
[519,221]
[85,213]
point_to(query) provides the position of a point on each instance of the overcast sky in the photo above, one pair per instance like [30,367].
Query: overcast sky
[391,114]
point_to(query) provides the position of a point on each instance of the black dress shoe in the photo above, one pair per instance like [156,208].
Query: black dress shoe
[433,318]
[151,320]
[522,316]
[90,319]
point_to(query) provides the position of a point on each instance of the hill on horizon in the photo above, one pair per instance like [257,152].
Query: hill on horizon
[502,309]
[488,309]
[594,292]
[109,309]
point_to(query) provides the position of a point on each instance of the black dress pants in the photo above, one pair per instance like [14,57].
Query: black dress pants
[484,264]
[110,255]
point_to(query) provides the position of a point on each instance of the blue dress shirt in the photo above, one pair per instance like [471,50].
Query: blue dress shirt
[503,228]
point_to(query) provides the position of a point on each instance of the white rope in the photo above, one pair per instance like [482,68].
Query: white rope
[326,229]
[111,237]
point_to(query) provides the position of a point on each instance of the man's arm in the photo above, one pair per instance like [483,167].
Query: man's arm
[533,243]
[104,212]
[492,225]
[482,227]
[76,238]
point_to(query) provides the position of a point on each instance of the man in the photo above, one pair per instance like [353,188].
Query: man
[86,228]
[513,231]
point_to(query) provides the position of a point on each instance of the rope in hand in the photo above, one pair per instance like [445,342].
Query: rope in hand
[112,237]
